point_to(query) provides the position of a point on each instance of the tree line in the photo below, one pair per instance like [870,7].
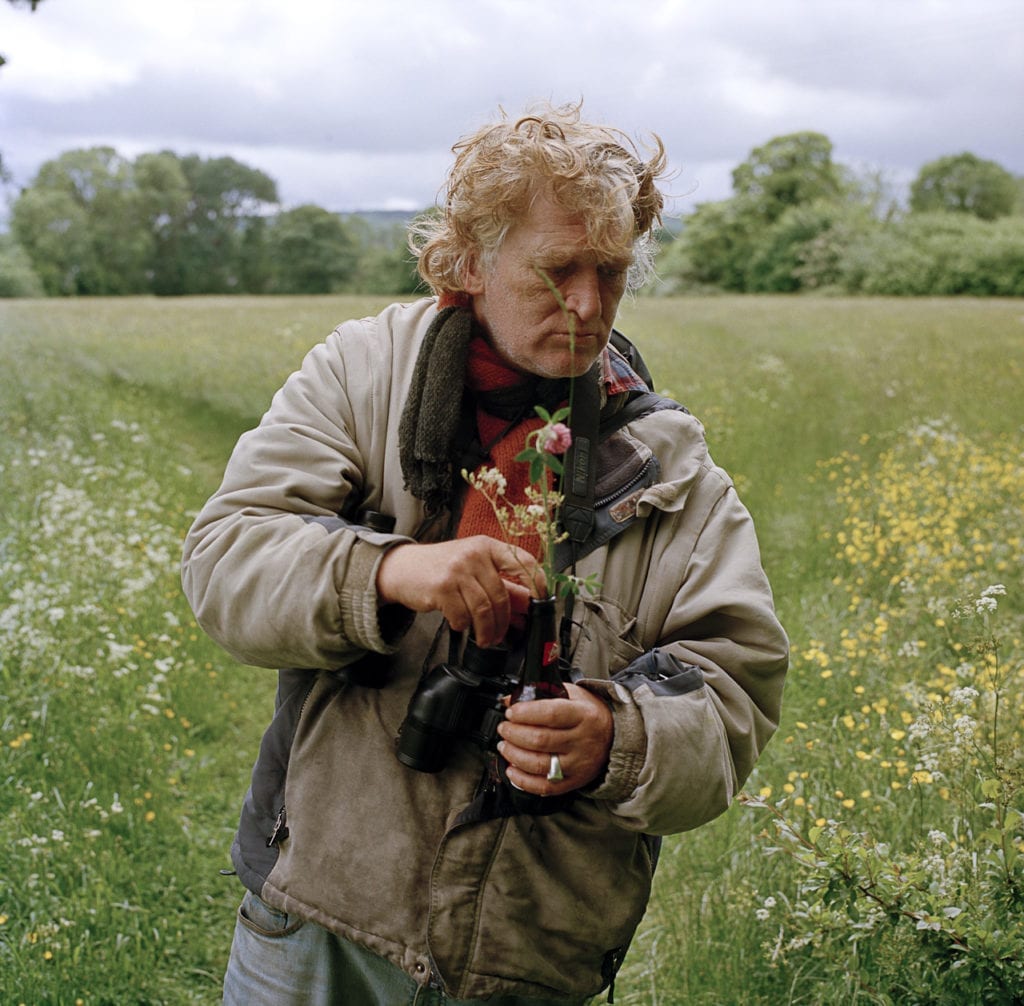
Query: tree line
[799,221]
[95,223]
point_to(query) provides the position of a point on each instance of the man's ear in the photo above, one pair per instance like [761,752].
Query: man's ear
[473,275]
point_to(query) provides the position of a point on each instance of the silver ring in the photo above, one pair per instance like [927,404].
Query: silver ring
[555,769]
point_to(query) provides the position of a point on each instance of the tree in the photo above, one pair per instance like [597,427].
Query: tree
[226,198]
[788,171]
[386,263]
[164,195]
[964,183]
[734,244]
[714,246]
[803,249]
[81,224]
[93,222]
[313,251]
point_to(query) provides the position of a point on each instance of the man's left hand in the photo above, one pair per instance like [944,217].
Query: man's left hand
[578,729]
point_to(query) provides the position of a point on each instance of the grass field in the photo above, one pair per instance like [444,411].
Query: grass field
[878,444]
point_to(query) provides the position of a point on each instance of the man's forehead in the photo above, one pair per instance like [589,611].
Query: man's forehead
[584,247]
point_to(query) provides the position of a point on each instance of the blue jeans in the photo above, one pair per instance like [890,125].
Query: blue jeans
[279,960]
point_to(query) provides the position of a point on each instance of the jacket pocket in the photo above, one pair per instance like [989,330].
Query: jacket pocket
[606,641]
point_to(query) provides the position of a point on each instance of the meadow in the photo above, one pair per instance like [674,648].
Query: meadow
[875,856]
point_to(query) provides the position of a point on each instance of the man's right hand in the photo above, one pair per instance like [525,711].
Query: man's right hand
[474,582]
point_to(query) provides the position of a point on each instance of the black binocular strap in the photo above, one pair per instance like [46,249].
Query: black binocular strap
[579,475]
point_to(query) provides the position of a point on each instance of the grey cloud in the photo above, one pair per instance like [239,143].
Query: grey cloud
[380,94]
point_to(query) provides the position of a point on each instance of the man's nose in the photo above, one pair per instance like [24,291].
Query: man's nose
[583,296]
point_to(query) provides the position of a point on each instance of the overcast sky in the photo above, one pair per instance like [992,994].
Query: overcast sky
[355,105]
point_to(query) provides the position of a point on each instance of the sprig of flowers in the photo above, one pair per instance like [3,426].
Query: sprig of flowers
[538,515]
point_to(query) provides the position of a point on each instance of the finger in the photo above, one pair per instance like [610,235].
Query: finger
[517,564]
[534,739]
[488,611]
[537,763]
[556,714]
[538,782]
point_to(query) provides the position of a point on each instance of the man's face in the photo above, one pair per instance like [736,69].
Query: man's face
[526,325]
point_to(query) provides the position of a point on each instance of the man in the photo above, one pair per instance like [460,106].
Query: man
[369,881]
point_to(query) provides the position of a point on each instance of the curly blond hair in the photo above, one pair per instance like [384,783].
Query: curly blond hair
[593,170]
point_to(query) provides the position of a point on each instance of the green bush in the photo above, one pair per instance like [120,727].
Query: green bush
[804,248]
[17,277]
[938,254]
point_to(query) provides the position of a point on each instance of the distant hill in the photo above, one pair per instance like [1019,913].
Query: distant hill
[383,220]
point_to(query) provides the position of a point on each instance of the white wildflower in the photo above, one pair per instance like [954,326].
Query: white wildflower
[493,478]
[963,696]
[919,729]
[119,651]
[964,729]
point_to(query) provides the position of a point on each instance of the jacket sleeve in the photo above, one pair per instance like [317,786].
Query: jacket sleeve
[693,713]
[272,572]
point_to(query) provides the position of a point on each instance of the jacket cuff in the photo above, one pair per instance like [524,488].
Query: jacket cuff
[629,742]
[364,620]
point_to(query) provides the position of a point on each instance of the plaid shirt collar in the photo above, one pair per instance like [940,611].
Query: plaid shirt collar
[617,375]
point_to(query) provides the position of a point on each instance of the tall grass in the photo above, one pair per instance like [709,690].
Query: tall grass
[126,737]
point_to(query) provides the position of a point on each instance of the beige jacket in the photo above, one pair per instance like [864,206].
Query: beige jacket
[370,849]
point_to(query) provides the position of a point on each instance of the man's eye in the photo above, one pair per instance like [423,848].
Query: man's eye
[612,271]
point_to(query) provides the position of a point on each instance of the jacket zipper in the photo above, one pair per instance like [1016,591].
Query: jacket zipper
[622,490]
[280,832]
